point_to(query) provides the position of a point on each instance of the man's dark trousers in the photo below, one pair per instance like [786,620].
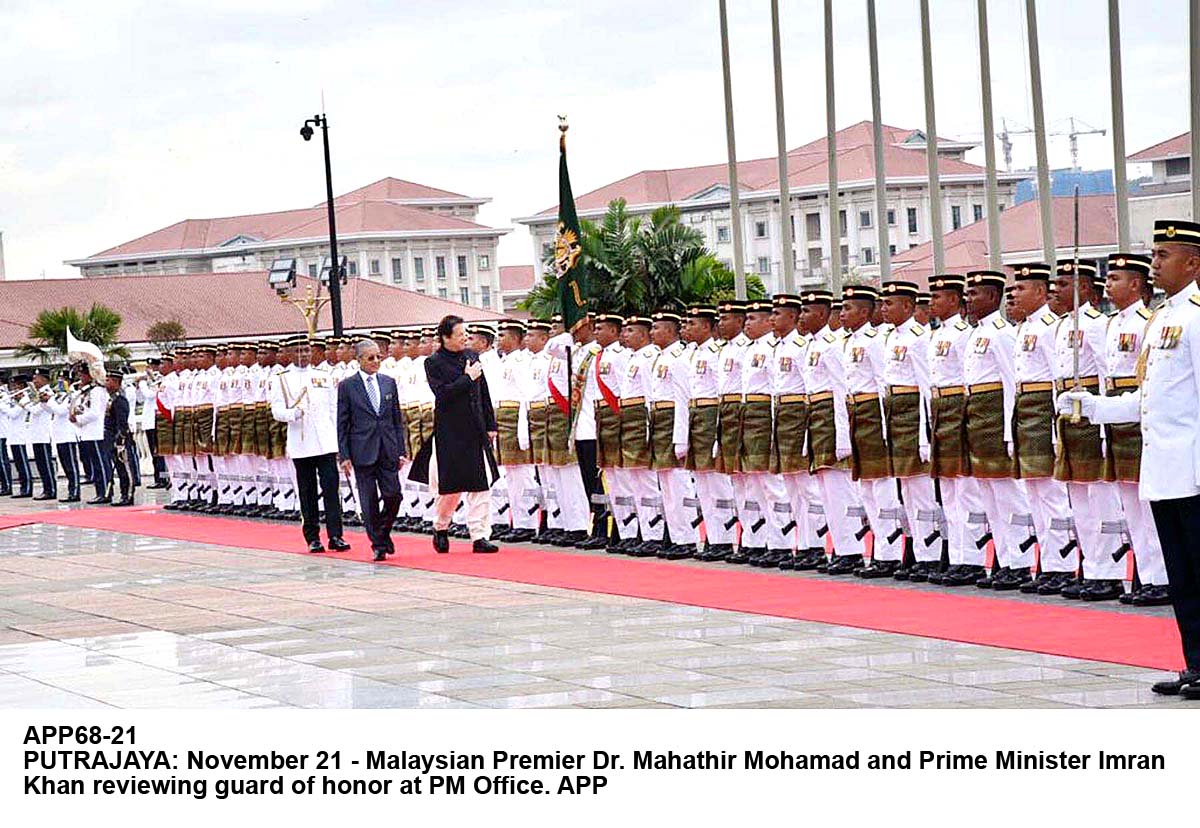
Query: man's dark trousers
[376,483]
[1178,525]
[585,453]
[309,471]
[43,458]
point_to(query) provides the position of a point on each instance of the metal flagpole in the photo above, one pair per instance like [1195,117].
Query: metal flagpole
[1077,406]
[1194,55]
[785,199]
[1118,123]
[835,227]
[1039,134]
[881,224]
[992,209]
[735,213]
[931,156]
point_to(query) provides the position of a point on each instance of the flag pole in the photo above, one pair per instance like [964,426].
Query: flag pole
[1076,405]
[563,126]
[735,215]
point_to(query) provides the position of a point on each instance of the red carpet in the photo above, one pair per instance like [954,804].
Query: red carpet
[1055,628]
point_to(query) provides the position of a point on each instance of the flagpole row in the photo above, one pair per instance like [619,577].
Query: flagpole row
[735,215]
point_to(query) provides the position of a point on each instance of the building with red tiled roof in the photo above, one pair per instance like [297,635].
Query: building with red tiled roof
[1168,193]
[422,238]
[217,306]
[515,283]
[1021,238]
[702,194]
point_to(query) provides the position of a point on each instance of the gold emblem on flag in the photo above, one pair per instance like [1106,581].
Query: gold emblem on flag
[566,250]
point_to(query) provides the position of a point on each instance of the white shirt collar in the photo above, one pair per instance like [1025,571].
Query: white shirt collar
[366,376]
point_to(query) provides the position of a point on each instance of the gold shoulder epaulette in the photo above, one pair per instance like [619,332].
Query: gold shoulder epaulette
[1145,313]
[872,332]
[961,325]
[1049,319]
[917,330]
[1092,313]
[714,347]
[1195,299]
[829,337]
[999,323]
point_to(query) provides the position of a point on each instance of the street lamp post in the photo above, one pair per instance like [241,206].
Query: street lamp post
[335,281]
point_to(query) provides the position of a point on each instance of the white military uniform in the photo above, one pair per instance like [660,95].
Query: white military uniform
[669,386]
[500,508]
[729,385]
[713,488]
[803,491]
[609,368]
[647,500]
[767,507]
[508,389]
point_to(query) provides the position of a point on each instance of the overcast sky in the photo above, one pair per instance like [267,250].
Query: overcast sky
[121,117]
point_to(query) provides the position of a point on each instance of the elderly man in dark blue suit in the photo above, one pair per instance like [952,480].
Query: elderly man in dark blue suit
[371,442]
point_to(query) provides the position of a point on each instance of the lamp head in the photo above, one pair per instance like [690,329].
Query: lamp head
[306,132]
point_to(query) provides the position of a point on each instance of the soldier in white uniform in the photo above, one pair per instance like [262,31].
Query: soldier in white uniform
[87,413]
[635,435]
[66,440]
[1166,404]
[520,521]
[733,343]
[18,441]
[147,391]
[41,435]
[1079,462]
[1128,279]
[305,398]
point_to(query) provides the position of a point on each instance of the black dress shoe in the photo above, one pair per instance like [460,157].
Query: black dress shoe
[125,501]
[919,572]
[960,575]
[520,536]
[315,546]
[594,542]
[550,536]
[878,569]
[985,581]
[1074,588]
[646,549]
[678,552]
[1010,579]
[789,563]
[743,555]
[1102,590]
[380,555]
[45,496]
[441,541]
[576,538]
[1154,595]
[483,546]
[94,501]
[499,529]
[75,499]
[844,565]
[1173,687]
[812,559]
[1053,582]
[338,545]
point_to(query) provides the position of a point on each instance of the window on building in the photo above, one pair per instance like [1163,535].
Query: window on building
[1178,166]
[462,267]
[352,268]
[722,234]
[814,261]
[912,219]
[464,295]
[760,229]
[547,250]
[812,226]
[764,265]
[891,218]
[440,265]
[842,223]
[485,297]
[441,293]
[892,249]
[911,245]
[375,268]
[397,270]
[868,255]
[977,212]
[845,258]
[419,268]
[1000,207]
[864,218]
[485,262]
[312,271]
[955,217]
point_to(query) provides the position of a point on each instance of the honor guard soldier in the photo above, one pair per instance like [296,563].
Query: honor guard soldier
[245,444]
[828,437]
[482,340]
[713,488]
[181,420]
[635,435]
[730,323]
[788,457]
[991,395]
[1165,404]
[535,394]
[907,396]
[607,375]
[562,467]
[923,313]
[226,412]
[204,390]
[948,459]
[1079,461]
[1128,277]
[669,398]
[767,508]
[263,504]
[512,434]
[1035,363]
[870,462]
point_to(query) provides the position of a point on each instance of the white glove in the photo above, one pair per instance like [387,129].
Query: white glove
[1087,403]
[842,452]
[1009,447]
[716,450]
[523,440]
[681,451]
[924,452]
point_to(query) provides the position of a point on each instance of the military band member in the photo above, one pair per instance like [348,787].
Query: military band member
[828,437]
[1079,462]
[66,438]
[669,398]
[15,412]
[713,488]
[635,435]
[41,434]
[1165,404]
[907,398]
[1128,275]
[88,408]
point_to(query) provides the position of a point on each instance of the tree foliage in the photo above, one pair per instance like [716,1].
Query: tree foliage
[640,264]
[48,333]
[166,335]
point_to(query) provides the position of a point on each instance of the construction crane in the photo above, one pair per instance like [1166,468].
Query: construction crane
[1005,135]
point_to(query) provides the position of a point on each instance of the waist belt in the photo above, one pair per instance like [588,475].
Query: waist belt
[1084,382]
[731,398]
[756,398]
[948,391]
[864,397]
[662,405]
[632,401]
[508,404]
[984,387]
[1113,383]
[784,399]
[903,389]
[1034,387]
[536,406]
[704,402]
[426,406]
[820,396]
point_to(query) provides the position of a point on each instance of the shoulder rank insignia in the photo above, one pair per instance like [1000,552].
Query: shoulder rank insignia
[1195,299]
[872,332]
[830,338]
[1092,313]
[961,325]
[999,323]
[1049,319]
[1144,313]
[917,330]
[714,347]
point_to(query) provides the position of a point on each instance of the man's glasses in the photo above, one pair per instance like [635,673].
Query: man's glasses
[371,358]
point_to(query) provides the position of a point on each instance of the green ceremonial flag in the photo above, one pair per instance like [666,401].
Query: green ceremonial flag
[571,286]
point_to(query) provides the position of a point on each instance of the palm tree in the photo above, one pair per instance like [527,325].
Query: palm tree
[48,333]
[636,264]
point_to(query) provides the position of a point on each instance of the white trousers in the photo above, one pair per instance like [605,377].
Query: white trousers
[1094,505]
[750,538]
[522,498]
[807,510]
[177,473]
[571,498]
[924,516]
[1001,498]
[839,496]
[478,505]
[283,473]
[961,500]
[1147,549]
[767,509]
[1051,508]
[501,512]
[648,502]
[619,485]
[886,516]
[679,504]
[715,491]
